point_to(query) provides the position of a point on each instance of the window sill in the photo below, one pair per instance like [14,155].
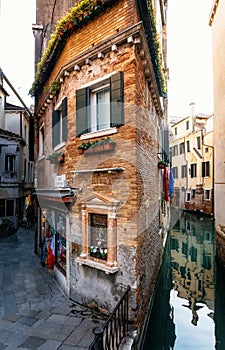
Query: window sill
[96,265]
[99,133]
[59,146]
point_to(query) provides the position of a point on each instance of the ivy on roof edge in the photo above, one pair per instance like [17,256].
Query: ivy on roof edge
[83,11]
[77,15]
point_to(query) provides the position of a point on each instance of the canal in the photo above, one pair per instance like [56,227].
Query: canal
[189,305]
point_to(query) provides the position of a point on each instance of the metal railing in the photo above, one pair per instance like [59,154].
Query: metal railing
[109,337]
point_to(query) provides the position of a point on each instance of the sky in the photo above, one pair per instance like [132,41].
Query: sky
[189,52]
[189,57]
[17,45]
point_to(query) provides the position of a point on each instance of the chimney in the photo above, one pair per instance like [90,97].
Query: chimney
[192,115]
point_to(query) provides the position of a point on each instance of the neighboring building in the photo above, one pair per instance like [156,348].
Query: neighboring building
[218,32]
[192,154]
[101,107]
[17,166]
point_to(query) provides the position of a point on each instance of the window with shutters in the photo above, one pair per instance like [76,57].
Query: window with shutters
[100,105]
[59,124]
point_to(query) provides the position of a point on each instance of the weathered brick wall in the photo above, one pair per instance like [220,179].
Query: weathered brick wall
[220,244]
[96,31]
[137,188]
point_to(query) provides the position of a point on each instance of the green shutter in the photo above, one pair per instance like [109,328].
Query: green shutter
[82,101]
[64,119]
[55,128]
[117,99]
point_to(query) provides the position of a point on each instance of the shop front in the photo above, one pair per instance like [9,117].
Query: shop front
[52,233]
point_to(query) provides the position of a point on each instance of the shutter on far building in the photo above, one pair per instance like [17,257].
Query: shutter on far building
[55,128]
[64,119]
[117,99]
[82,101]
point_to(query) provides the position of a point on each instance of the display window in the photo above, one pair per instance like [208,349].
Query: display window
[61,240]
[53,238]
[98,236]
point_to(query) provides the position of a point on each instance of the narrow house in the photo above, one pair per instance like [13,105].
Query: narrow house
[101,127]
[16,154]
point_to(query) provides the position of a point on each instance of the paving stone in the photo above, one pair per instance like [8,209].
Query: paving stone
[12,318]
[3,346]
[33,343]
[16,340]
[50,345]
[26,320]
[34,313]
[63,319]
[5,334]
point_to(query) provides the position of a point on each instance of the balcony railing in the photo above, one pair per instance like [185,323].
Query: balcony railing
[110,336]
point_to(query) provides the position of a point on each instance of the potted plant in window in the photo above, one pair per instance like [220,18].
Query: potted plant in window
[108,144]
[56,157]
[83,147]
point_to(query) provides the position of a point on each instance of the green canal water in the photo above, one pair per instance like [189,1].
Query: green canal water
[189,307]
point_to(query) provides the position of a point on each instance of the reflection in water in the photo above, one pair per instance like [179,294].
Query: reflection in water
[187,319]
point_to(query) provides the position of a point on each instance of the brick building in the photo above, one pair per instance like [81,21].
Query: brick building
[101,106]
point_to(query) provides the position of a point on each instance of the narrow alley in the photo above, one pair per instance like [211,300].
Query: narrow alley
[34,313]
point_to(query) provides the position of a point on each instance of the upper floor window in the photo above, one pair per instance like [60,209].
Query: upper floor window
[187,124]
[198,142]
[193,170]
[100,106]
[181,147]
[175,150]
[10,163]
[175,172]
[205,169]
[184,171]
[175,131]
[207,195]
[59,124]
[188,146]
[188,196]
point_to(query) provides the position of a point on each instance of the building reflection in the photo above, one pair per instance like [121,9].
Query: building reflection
[192,262]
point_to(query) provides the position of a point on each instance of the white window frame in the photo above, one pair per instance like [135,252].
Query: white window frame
[207,194]
[41,141]
[93,109]
[188,196]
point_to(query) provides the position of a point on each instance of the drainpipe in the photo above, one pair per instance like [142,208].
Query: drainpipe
[212,147]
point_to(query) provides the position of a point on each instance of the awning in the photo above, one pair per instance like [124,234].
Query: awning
[61,195]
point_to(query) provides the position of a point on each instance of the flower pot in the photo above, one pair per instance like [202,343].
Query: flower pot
[109,146]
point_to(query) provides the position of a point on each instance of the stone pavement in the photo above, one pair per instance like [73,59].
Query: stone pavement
[34,312]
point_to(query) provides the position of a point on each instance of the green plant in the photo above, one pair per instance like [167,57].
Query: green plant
[62,27]
[84,145]
[157,50]
[55,87]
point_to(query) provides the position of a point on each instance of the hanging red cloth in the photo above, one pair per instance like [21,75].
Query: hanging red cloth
[166,184]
